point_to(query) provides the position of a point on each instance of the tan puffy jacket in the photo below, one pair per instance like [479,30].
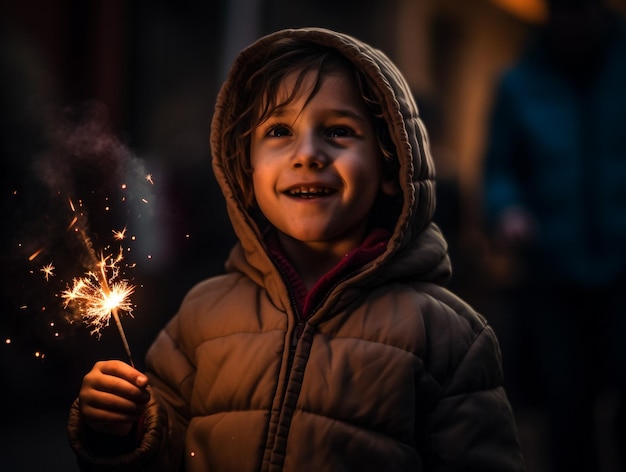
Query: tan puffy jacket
[392,372]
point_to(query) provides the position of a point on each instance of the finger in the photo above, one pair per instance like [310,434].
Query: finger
[112,403]
[122,370]
[94,416]
[104,415]
[119,378]
[95,384]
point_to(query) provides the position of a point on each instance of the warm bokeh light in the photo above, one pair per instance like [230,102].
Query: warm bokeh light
[533,11]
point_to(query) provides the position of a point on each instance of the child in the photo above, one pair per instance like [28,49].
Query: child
[330,343]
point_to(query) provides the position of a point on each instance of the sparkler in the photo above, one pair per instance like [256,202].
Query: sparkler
[101,295]
[81,158]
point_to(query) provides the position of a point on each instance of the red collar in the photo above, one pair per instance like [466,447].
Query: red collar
[306,301]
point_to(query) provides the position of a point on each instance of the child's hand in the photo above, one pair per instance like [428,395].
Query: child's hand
[112,397]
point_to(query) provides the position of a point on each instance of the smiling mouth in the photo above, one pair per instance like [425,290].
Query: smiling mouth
[310,192]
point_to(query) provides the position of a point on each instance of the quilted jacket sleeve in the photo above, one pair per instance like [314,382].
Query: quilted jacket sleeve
[161,444]
[97,452]
[473,428]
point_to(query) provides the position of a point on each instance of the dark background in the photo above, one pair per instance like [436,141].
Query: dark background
[151,70]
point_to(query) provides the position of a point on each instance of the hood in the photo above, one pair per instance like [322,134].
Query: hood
[416,171]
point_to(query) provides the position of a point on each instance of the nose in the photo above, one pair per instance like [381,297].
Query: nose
[310,152]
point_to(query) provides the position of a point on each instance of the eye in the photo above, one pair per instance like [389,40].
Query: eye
[340,132]
[278,131]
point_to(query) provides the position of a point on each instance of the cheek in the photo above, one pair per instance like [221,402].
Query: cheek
[263,183]
[365,171]
[257,182]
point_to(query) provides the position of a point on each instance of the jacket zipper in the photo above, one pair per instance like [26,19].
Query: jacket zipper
[299,328]
[297,333]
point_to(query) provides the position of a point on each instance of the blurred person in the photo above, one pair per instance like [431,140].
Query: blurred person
[331,342]
[555,195]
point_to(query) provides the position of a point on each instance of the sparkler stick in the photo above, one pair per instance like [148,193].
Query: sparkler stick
[118,323]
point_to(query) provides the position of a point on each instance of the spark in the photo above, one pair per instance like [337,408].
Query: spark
[73,222]
[35,254]
[149,179]
[48,271]
[119,235]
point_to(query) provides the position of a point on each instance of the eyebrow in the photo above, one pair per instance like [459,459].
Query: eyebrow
[349,113]
[283,111]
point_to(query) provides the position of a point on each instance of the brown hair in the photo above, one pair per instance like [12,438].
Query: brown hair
[258,101]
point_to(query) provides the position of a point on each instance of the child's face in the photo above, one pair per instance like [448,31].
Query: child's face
[317,168]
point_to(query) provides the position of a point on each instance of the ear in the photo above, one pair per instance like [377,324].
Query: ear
[390,187]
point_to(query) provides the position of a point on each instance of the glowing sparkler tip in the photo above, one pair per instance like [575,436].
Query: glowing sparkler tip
[96,302]
[99,295]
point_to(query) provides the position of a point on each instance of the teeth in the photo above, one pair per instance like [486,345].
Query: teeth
[310,191]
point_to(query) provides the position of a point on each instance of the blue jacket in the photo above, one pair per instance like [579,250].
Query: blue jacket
[560,152]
